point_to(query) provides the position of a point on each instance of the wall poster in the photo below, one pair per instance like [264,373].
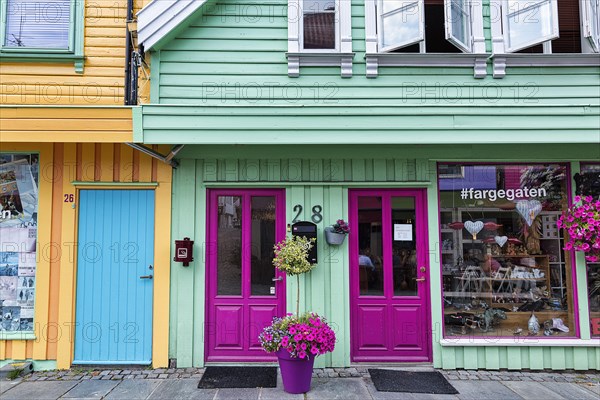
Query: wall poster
[19,178]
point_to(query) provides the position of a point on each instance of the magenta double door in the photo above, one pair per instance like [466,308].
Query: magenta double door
[389,271]
[244,291]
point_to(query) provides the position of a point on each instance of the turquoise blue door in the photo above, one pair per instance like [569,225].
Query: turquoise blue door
[115,261]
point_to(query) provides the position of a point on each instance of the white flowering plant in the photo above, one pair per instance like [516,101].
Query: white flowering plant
[291,258]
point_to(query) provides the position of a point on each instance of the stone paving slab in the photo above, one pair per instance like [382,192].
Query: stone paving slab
[534,391]
[38,391]
[182,389]
[474,390]
[277,393]
[332,389]
[572,391]
[134,389]
[237,394]
[7,385]
[90,390]
[594,388]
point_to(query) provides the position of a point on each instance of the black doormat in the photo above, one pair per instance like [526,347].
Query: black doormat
[238,377]
[386,380]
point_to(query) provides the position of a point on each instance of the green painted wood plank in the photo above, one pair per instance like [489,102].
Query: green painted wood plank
[358,170]
[513,355]
[185,276]
[295,170]
[448,357]
[210,170]
[470,358]
[379,170]
[316,170]
[492,357]
[558,360]
[230,170]
[199,294]
[252,170]
[319,291]
[536,358]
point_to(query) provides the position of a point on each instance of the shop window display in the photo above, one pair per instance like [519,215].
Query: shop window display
[18,235]
[588,184]
[505,272]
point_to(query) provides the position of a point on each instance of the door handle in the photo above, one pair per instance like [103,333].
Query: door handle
[419,279]
[277,279]
[146,277]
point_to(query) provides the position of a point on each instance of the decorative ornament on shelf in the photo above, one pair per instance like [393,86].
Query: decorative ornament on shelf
[529,209]
[582,222]
[501,240]
[474,228]
[336,233]
[456,225]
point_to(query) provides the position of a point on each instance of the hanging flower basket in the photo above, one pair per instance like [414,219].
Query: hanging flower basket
[582,222]
[336,233]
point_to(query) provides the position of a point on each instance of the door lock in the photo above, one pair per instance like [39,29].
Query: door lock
[146,277]
[423,269]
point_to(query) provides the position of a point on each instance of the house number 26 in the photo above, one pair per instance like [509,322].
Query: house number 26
[316,216]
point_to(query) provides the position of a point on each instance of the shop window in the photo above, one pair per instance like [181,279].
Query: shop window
[19,177]
[505,272]
[550,26]
[428,26]
[588,184]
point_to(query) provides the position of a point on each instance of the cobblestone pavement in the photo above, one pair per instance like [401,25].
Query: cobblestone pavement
[354,372]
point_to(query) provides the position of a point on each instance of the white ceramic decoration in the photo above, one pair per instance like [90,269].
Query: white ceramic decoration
[529,209]
[501,240]
[474,227]
[533,325]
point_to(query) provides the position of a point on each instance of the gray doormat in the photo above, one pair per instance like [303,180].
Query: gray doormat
[238,377]
[386,380]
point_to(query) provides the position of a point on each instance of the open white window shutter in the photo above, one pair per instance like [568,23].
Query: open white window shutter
[591,22]
[526,23]
[400,23]
[458,24]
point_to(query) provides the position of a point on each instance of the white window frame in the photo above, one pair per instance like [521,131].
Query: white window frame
[525,13]
[381,16]
[465,47]
[590,19]
[341,56]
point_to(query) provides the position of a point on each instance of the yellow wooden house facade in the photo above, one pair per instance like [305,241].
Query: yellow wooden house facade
[65,111]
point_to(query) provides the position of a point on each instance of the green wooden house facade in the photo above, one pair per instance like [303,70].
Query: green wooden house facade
[291,111]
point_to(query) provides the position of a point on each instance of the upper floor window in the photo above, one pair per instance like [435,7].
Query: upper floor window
[428,26]
[42,30]
[42,24]
[549,26]
[319,23]
[319,26]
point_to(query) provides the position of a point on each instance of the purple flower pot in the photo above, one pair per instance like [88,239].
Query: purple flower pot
[295,372]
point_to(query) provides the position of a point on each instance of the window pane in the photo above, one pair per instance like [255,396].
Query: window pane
[501,251]
[370,246]
[460,23]
[229,250]
[589,185]
[404,246]
[263,240]
[529,22]
[319,24]
[38,24]
[401,23]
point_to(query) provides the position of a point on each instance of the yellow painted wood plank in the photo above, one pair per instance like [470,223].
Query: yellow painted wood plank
[60,112]
[88,162]
[65,124]
[162,273]
[126,164]
[107,162]
[113,97]
[67,137]
[145,169]
[19,349]
[67,271]
[44,232]
[2,349]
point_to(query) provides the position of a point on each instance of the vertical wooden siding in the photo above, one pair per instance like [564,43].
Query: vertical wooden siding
[57,83]
[61,164]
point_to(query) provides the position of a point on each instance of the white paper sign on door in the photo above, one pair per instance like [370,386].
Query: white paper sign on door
[403,232]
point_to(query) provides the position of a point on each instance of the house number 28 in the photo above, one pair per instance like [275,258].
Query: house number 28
[316,216]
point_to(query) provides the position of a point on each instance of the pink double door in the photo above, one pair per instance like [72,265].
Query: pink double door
[244,291]
[389,293]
